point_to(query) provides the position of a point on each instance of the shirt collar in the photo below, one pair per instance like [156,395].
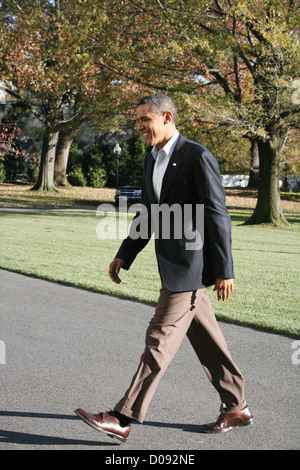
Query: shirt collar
[168,148]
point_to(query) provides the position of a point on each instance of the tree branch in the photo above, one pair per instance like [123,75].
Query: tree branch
[22,102]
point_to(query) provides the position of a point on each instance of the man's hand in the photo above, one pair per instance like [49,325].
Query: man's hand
[114,269]
[224,288]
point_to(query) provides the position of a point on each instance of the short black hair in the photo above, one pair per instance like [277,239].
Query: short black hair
[160,103]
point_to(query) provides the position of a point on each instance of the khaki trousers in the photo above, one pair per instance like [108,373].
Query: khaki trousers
[176,315]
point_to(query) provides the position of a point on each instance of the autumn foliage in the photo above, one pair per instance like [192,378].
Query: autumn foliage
[230,65]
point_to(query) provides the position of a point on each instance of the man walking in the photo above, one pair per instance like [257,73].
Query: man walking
[180,174]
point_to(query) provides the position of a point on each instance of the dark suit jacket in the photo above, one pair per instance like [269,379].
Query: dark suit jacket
[192,177]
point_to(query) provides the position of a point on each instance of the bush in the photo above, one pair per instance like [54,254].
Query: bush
[76,176]
[97,177]
[33,165]
[2,173]
[95,171]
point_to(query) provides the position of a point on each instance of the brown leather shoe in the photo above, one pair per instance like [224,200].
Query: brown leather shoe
[105,422]
[227,421]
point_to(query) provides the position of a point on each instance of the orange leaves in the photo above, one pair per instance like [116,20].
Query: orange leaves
[9,140]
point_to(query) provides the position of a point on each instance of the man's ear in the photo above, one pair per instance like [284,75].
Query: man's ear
[168,117]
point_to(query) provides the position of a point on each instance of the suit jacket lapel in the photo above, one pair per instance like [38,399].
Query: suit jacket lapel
[172,168]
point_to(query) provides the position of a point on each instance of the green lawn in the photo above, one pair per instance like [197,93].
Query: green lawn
[61,245]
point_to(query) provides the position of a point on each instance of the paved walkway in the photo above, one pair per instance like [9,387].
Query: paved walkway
[67,348]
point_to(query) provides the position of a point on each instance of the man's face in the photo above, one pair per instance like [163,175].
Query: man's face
[153,126]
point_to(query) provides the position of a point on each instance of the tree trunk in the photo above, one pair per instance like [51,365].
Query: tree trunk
[254,165]
[268,207]
[46,172]
[61,158]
